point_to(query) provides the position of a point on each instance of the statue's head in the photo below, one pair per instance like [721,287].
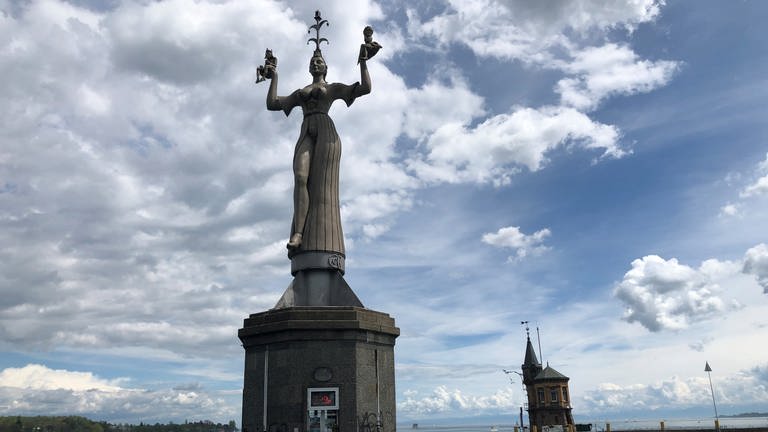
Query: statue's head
[317,64]
[368,32]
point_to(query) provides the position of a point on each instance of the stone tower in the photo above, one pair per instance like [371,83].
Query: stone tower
[549,403]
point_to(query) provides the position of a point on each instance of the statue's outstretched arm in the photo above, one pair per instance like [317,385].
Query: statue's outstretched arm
[367,50]
[279,103]
[273,100]
[365,80]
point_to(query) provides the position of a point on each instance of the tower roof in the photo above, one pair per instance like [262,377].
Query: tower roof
[530,355]
[549,373]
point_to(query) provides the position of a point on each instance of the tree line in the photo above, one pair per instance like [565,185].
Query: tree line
[82,424]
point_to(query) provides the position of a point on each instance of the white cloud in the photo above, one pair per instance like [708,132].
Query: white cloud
[480,25]
[729,210]
[744,387]
[444,98]
[699,345]
[525,30]
[539,33]
[495,149]
[142,190]
[436,103]
[759,187]
[756,263]
[610,397]
[609,70]
[453,401]
[663,294]
[371,231]
[558,15]
[39,377]
[522,244]
[373,206]
[543,36]
[184,42]
[38,390]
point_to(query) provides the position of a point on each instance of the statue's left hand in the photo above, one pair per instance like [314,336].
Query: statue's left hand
[370,47]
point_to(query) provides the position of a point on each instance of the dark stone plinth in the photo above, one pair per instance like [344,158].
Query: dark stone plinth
[317,260]
[318,281]
[297,348]
[315,287]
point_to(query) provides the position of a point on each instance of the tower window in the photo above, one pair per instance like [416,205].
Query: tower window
[553,395]
[565,394]
[541,395]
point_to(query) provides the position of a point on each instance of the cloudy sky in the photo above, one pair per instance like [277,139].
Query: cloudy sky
[596,167]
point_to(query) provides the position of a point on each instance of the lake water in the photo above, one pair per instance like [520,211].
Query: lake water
[725,423]
[616,425]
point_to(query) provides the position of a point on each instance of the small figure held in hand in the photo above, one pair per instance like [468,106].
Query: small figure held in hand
[370,47]
[270,65]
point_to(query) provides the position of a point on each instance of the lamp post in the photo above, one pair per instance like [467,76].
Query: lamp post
[708,370]
[522,427]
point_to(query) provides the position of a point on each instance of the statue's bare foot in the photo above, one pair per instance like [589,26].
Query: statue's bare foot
[294,242]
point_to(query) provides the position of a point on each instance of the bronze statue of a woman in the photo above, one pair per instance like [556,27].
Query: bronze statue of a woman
[316,222]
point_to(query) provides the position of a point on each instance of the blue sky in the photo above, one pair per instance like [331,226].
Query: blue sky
[598,168]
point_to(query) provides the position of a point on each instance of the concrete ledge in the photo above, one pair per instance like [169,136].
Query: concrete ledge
[318,323]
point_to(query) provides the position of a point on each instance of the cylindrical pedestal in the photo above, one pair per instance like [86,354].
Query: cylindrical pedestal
[290,351]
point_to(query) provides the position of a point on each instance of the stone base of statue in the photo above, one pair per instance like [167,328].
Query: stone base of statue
[319,369]
[318,281]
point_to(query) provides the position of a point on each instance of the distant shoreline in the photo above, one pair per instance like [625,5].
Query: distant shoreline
[740,423]
[710,429]
[504,428]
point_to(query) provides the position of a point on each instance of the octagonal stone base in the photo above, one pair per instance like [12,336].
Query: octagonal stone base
[290,350]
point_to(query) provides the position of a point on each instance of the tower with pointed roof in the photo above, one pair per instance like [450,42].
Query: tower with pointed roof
[549,402]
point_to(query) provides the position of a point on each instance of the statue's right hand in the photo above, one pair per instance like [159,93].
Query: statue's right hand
[270,71]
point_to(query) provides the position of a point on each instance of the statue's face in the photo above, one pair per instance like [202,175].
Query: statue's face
[317,66]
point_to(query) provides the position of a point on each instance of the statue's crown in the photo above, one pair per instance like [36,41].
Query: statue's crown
[319,21]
